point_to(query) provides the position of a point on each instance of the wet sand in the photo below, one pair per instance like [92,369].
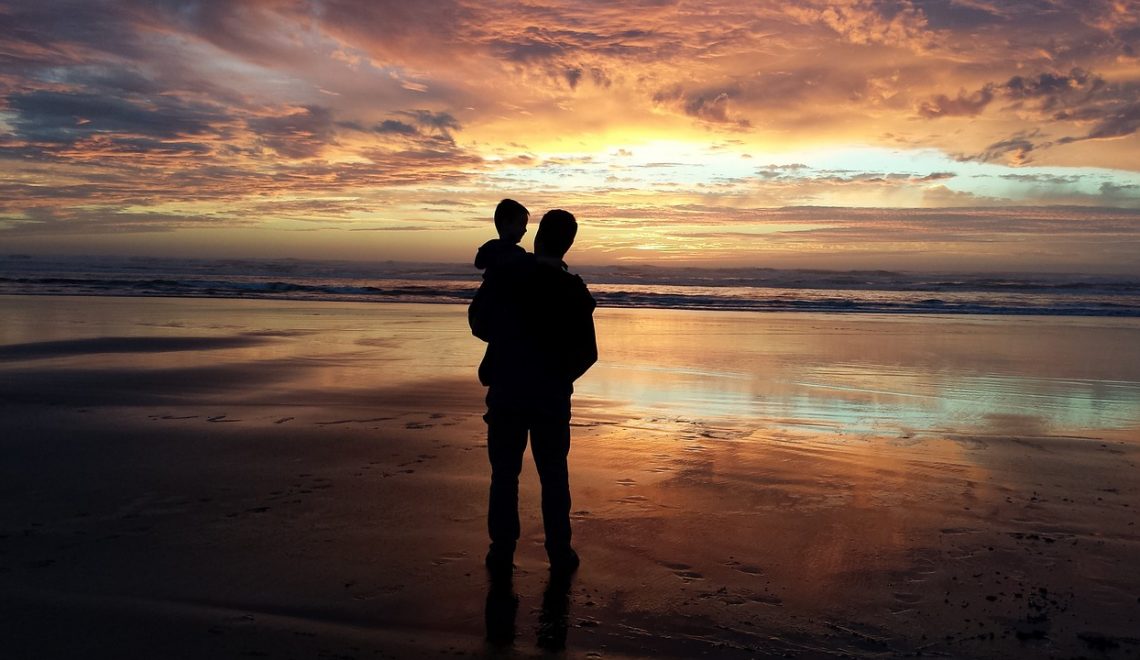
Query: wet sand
[212,478]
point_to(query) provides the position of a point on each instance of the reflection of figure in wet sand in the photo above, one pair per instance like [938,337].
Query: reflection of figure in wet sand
[503,606]
[553,620]
[537,319]
[499,614]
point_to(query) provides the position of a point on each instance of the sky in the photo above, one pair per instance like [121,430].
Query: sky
[978,135]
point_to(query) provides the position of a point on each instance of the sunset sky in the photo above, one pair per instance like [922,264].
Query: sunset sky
[906,134]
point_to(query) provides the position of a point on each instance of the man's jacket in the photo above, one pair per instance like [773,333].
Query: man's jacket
[537,320]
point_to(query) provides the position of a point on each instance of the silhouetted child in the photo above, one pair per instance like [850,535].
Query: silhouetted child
[510,221]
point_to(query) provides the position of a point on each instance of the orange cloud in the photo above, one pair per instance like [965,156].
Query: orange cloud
[356,113]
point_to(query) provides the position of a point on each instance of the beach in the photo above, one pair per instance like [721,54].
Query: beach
[190,478]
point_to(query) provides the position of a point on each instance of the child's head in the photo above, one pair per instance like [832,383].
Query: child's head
[510,220]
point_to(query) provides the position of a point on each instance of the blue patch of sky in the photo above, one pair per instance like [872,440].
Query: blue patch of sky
[678,164]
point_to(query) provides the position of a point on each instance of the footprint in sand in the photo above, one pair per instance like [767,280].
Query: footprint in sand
[251,510]
[316,483]
[441,420]
[626,482]
[747,569]
[284,419]
[925,563]
[905,602]
[448,557]
[385,475]
[766,599]
[954,531]
[221,419]
[683,571]
[353,421]
[723,595]
[360,592]
[907,598]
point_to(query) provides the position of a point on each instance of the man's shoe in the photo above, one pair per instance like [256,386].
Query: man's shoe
[500,564]
[564,563]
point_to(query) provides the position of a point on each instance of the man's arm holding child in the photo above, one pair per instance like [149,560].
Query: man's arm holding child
[584,350]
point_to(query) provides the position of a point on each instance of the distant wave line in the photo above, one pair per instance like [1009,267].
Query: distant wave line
[1090,301]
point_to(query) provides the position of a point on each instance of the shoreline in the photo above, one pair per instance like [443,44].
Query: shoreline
[923,313]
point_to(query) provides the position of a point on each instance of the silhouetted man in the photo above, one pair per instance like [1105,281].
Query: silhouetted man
[537,319]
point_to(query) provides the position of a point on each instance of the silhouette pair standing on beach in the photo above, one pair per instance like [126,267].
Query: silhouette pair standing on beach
[537,320]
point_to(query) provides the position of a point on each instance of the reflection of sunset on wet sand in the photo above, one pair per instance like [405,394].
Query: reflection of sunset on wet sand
[859,375]
[275,476]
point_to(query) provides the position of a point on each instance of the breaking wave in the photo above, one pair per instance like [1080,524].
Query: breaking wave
[746,289]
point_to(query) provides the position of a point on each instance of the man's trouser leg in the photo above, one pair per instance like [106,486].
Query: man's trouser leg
[550,444]
[506,441]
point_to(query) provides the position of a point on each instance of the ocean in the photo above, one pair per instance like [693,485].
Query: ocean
[628,286]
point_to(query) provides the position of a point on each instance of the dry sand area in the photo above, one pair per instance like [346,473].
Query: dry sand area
[235,479]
